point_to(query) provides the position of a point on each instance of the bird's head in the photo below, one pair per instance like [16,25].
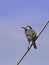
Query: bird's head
[27,27]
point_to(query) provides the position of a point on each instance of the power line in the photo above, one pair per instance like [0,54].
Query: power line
[31,44]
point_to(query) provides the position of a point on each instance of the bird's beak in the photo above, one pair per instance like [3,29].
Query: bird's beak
[23,27]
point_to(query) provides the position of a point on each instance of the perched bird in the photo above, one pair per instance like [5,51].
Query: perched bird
[30,35]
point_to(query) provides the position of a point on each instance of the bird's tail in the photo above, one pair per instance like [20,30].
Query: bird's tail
[34,44]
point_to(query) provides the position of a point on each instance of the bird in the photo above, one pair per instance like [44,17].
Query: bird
[30,35]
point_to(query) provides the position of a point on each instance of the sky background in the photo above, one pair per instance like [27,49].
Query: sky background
[13,15]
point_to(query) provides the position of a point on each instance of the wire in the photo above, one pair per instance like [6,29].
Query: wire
[31,44]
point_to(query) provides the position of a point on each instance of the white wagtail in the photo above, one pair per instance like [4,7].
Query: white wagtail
[30,35]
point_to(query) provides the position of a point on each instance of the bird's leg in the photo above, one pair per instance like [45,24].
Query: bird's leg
[28,44]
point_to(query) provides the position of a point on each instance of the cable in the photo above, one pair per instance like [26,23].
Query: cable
[31,44]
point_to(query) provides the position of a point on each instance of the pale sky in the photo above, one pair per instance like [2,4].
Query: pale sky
[13,15]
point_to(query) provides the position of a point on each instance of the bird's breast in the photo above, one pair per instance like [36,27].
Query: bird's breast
[29,37]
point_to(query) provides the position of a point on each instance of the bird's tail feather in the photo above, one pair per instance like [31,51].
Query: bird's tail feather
[34,45]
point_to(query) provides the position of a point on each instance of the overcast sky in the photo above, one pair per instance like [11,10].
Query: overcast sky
[13,15]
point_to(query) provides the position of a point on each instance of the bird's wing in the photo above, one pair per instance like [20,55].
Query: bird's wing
[33,33]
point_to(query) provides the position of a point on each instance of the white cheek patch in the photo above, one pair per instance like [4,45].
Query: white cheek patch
[28,28]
